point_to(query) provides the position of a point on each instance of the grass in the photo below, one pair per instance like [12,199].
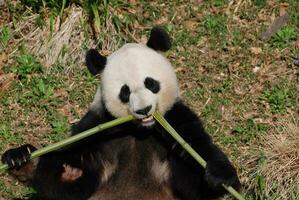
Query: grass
[284,37]
[281,97]
[214,27]
[260,3]
[244,89]
[4,36]
[26,65]
[275,175]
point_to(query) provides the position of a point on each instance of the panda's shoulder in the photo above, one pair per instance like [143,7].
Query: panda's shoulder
[180,113]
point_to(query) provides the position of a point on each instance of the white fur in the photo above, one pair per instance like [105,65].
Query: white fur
[96,104]
[160,169]
[130,65]
[140,99]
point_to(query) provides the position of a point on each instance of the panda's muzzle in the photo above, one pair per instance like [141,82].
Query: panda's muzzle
[145,118]
[144,111]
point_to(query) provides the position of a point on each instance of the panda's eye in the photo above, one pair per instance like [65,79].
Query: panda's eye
[152,85]
[124,93]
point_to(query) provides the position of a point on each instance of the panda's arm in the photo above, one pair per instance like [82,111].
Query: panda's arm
[68,174]
[189,178]
[94,116]
[191,129]
[88,121]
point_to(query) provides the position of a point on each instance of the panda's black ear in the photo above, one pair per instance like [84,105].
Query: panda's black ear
[159,40]
[95,61]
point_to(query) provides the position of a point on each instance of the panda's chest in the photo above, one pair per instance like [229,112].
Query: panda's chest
[143,162]
[138,173]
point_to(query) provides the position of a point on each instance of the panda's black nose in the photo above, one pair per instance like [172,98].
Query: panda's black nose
[144,111]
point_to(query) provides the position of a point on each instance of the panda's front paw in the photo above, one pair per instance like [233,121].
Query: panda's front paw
[220,172]
[14,158]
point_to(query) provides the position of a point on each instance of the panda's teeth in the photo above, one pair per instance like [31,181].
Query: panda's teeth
[147,119]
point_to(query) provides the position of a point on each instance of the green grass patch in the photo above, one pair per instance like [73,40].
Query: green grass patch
[215,26]
[185,38]
[219,3]
[38,89]
[280,97]
[260,3]
[54,5]
[293,12]
[237,38]
[60,126]
[26,65]
[6,190]
[284,37]
[247,130]
[40,21]
[29,193]
[5,36]
[7,135]
[224,86]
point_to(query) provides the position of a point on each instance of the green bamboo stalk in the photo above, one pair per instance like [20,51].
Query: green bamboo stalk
[75,138]
[190,150]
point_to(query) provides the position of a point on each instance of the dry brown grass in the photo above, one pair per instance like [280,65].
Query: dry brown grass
[280,167]
[64,35]
[63,44]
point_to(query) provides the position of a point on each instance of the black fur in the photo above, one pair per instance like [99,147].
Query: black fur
[95,62]
[152,85]
[90,119]
[159,40]
[124,94]
[188,179]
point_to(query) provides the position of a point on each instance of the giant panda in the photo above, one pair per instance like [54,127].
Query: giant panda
[137,160]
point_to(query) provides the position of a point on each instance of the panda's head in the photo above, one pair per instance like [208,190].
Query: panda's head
[136,79]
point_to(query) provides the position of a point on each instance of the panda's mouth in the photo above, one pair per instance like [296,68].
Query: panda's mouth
[147,121]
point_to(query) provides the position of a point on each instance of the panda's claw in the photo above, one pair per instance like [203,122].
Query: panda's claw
[16,157]
[12,163]
[28,149]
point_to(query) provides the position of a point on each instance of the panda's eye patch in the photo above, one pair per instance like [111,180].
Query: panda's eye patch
[124,94]
[152,84]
